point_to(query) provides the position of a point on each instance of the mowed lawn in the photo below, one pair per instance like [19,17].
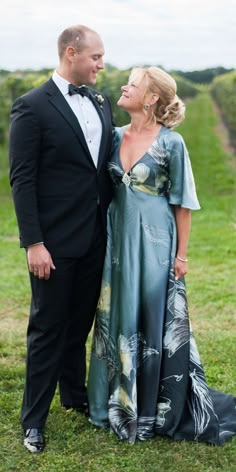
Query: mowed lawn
[72,443]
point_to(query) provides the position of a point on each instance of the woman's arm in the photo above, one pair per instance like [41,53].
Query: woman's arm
[183,224]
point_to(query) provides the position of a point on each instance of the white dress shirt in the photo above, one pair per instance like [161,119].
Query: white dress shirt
[86,114]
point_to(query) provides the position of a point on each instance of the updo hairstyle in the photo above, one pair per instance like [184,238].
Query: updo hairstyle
[169,109]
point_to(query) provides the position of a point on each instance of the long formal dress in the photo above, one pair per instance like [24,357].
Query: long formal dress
[145,375]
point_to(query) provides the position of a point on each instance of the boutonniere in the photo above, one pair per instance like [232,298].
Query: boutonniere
[100,99]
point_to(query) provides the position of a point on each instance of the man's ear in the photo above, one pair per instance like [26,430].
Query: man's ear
[71,53]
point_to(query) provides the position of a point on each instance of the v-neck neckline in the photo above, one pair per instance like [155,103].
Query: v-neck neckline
[142,157]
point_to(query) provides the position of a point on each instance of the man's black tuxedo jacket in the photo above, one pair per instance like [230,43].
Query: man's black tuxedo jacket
[55,184]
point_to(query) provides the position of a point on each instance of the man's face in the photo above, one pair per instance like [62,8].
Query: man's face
[89,61]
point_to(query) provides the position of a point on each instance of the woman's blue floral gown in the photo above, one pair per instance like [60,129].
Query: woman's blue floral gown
[145,375]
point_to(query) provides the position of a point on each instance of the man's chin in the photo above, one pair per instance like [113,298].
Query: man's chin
[91,81]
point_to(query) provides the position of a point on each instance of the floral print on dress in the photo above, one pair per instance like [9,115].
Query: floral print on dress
[145,375]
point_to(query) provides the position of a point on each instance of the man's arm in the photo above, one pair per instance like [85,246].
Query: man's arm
[24,162]
[24,149]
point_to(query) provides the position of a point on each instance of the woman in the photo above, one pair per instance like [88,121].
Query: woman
[145,374]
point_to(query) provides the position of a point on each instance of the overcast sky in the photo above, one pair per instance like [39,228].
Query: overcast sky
[175,34]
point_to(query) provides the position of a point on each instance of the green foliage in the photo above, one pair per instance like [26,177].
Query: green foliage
[204,76]
[109,82]
[224,92]
[12,85]
[185,88]
[73,444]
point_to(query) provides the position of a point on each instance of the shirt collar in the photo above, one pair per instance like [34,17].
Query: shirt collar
[60,82]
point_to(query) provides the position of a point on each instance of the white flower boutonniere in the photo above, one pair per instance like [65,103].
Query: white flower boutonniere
[100,100]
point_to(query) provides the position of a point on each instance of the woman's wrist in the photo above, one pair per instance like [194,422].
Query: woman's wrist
[182,259]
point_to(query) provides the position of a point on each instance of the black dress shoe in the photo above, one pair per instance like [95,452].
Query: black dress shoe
[82,408]
[34,440]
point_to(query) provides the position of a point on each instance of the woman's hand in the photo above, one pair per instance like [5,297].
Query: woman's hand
[180,269]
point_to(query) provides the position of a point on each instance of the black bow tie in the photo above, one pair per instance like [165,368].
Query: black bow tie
[84,91]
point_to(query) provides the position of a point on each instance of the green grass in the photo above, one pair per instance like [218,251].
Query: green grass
[72,443]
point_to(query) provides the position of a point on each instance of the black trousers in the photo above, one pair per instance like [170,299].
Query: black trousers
[61,317]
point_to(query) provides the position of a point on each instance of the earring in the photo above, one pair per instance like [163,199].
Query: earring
[146,106]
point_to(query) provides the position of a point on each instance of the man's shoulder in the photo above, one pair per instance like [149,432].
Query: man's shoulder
[37,92]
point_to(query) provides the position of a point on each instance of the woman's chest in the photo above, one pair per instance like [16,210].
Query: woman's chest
[132,150]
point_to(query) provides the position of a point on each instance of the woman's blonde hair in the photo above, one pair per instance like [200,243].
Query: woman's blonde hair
[169,109]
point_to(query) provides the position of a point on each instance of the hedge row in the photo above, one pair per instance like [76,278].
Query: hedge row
[224,92]
[109,82]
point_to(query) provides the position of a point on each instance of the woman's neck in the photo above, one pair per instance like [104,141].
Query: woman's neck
[143,125]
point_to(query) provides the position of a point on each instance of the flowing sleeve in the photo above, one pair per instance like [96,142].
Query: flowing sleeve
[182,186]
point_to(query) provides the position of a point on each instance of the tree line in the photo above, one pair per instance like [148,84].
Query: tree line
[109,82]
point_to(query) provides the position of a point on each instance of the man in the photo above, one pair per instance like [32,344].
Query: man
[60,142]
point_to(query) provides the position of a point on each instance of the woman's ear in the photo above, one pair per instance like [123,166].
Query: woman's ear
[154,99]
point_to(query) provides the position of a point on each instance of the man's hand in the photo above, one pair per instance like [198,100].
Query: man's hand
[39,261]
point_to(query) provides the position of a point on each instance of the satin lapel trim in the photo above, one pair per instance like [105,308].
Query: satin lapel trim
[59,102]
[103,143]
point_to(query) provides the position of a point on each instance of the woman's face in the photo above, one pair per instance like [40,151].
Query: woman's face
[132,98]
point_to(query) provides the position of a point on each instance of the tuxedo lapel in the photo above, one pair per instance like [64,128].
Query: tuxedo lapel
[58,101]
[101,112]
